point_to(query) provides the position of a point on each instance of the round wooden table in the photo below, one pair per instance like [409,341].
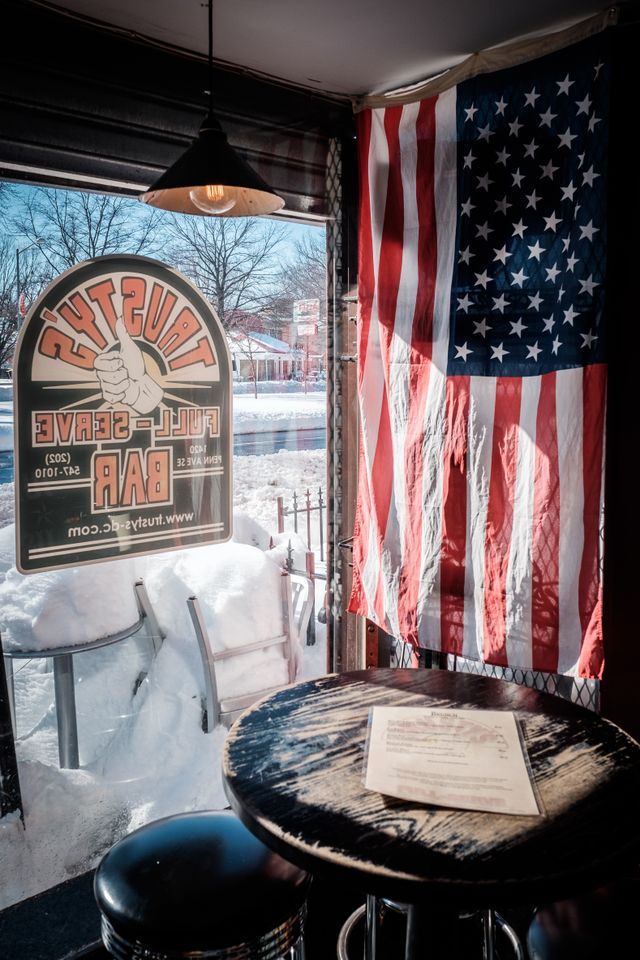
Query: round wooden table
[294,766]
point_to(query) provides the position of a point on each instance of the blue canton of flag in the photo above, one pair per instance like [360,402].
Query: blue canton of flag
[528,286]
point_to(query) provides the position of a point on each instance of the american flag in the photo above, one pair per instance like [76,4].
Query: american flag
[481,370]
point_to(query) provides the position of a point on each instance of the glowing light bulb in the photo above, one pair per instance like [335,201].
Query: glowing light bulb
[213,198]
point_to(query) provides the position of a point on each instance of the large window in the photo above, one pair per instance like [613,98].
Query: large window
[142,750]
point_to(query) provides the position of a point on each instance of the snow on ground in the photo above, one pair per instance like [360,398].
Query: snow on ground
[269,412]
[259,481]
[144,756]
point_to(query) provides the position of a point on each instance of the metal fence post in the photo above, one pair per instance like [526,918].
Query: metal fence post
[310,563]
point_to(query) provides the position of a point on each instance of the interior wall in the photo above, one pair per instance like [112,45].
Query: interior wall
[620,691]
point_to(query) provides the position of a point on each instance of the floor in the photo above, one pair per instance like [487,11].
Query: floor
[63,924]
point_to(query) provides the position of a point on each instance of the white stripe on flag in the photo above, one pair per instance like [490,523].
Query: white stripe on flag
[371,388]
[445,194]
[400,354]
[518,583]
[482,402]
[569,413]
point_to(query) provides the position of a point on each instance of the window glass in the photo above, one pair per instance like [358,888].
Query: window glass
[141,706]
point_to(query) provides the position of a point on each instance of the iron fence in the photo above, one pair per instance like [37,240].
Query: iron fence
[301,509]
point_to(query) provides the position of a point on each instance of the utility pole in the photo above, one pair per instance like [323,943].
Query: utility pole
[19,252]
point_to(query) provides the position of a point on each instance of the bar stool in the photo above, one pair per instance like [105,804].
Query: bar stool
[200,884]
[598,923]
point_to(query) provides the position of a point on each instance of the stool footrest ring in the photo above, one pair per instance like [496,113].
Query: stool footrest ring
[361,914]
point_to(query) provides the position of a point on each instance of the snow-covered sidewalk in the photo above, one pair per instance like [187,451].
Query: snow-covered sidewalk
[275,411]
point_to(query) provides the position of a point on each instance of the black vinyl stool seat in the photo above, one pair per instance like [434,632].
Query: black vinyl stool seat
[199,884]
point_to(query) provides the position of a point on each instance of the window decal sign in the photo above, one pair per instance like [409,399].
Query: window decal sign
[122,417]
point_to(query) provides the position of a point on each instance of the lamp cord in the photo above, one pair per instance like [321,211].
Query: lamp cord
[210,57]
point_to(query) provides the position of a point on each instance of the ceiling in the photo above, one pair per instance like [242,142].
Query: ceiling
[345,47]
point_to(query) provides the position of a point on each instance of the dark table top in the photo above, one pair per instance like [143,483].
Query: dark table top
[294,766]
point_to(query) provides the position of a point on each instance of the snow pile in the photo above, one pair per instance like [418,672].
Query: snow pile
[64,608]
[143,753]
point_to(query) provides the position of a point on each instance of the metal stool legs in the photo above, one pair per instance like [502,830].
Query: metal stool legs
[371,913]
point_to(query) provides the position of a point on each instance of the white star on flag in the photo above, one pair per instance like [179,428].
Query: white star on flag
[589,176]
[570,315]
[548,170]
[588,285]
[552,273]
[584,105]
[563,85]
[551,222]
[547,117]
[481,327]
[588,231]
[499,303]
[566,138]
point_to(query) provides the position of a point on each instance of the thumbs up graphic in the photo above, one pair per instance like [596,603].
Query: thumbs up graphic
[122,376]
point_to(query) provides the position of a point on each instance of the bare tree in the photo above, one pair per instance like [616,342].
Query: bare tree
[70,226]
[302,276]
[233,261]
[30,285]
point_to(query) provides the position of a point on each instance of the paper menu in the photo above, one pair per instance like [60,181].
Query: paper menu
[467,759]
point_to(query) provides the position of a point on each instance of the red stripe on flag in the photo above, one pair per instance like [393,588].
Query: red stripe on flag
[590,593]
[504,459]
[545,547]
[454,517]
[419,370]
[389,270]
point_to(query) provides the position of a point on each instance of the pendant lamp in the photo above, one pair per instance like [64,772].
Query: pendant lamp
[210,179]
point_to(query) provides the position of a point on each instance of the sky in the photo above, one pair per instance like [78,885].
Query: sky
[18,193]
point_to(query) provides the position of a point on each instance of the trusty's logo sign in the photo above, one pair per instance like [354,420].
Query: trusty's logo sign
[121,368]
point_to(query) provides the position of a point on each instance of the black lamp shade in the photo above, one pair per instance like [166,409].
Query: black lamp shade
[210,160]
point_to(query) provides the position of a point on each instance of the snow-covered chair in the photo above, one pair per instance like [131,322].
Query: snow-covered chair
[303,603]
[296,602]
[22,643]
